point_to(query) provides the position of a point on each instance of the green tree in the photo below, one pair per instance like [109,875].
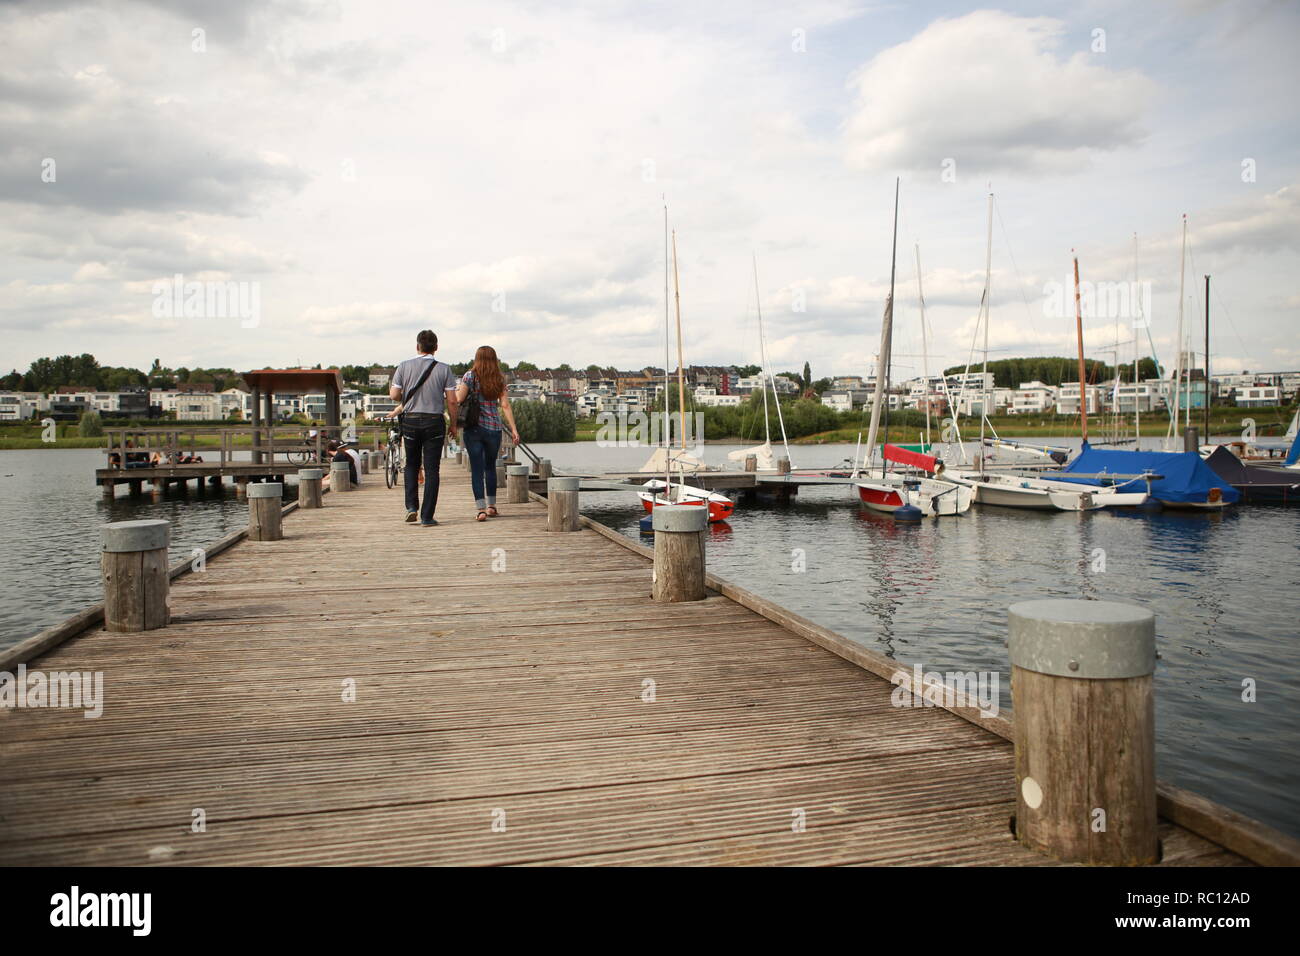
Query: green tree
[91,425]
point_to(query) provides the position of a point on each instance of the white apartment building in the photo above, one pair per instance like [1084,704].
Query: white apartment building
[1067,399]
[1033,398]
[20,406]
[840,401]
[1254,396]
[707,396]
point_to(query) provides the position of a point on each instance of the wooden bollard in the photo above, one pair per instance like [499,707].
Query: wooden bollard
[679,552]
[517,484]
[365,464]
[264,511]
[544,468]
[562,504]
[751,463]
[782,465]
[501,466]
[340,476]
[309,490]
[460,456]
[1084,712]
[134,570]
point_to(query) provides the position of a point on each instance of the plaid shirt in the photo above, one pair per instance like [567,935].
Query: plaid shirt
[489,410]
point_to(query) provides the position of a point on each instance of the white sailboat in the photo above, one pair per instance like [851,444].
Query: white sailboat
[766,460]
[663,492]
[889,492]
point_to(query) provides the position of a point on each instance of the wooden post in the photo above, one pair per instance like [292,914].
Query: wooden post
[1192,441]
[544,468]
[562,504]
[1084,712]
[751,463]
[241,486]
[517,484]
[679,552]
[109,487]
[340,476]
[501,465]
[264,511]
[134,569]
[782,465]
[460,456]
[365,464]
[309,490]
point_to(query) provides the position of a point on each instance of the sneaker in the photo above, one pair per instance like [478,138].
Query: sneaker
[428,524]
[412,516]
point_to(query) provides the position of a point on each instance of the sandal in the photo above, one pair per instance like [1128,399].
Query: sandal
[481,516]
[492,512]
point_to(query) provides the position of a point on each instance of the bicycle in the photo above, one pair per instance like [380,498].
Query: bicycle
[393,456]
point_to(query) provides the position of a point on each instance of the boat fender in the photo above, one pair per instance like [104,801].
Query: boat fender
[907,513]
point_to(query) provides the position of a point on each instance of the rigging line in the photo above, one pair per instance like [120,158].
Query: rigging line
[1020,281]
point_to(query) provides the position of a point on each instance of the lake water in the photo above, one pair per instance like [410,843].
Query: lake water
[1225,589]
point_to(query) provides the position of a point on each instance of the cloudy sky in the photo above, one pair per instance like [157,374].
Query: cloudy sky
[495,171]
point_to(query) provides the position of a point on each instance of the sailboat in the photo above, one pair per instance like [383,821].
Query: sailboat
[1001,489]
[890,492]
[662,491]
[765,460]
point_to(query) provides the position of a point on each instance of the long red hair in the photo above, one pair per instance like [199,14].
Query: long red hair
[487,370]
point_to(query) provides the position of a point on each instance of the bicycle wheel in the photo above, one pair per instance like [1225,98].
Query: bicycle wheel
[300,457]
[390,466]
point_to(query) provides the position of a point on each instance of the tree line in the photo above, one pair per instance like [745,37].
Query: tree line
[1054,370]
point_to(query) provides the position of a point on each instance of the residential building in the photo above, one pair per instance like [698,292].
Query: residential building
[1067,399]
[1033,398]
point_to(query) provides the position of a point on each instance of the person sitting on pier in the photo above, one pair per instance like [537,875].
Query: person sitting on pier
[335,452]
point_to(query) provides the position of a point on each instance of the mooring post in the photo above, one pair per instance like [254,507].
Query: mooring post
[517,484]
[340,476]
[1192,440]
[562,504]
[501,465]
[365,464]
[134,570]
[544,469]
[309,487]
[264,511]
[751,463]
[679,552]
[782,465]
[1084,713]
[460,456]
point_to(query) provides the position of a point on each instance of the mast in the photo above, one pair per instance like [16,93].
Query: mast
[1078,326]
[1137,375]
[925,353]
[1207,359]
[668,418]
[886,332]
[1178,365]
[681,369]
[767,370]
[984,375]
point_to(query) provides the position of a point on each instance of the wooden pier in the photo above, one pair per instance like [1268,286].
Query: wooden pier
[366,691]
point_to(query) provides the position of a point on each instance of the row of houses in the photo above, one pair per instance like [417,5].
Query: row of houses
[970,393]
[593,392]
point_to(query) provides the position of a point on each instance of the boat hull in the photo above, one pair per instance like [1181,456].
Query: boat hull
[720,507]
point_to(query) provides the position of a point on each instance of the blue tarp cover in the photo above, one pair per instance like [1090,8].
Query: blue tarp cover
[1185,476]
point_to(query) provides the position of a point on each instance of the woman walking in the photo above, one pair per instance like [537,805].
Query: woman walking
[483,401]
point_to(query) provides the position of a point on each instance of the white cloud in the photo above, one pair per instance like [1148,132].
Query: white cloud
[990,91]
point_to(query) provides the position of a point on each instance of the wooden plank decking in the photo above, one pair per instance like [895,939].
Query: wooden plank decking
[480,691]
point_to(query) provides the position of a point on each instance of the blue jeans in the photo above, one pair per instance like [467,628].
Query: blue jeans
[483,446]
[422,436]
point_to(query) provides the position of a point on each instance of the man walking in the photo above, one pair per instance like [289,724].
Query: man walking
[426,389]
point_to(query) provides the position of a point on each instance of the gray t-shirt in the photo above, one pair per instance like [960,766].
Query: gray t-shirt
[432,397]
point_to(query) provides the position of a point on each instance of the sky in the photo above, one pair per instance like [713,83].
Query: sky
[498,172]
